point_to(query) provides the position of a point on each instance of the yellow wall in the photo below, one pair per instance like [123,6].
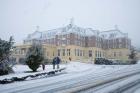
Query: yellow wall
[138,55]
[121,54]
[51,51]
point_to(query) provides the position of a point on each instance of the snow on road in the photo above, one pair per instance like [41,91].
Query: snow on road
[74,71]
[138,90]
[116,85]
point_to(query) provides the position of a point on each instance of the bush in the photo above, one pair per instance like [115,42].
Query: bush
[103,61]
[5,68]
[34,57]
[132,56]
[3,72]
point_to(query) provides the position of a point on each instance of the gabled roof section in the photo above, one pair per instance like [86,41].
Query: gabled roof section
[35,35]
[110,34]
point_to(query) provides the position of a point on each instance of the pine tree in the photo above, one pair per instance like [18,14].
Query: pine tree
[132,55]
[34,57]
[5,52]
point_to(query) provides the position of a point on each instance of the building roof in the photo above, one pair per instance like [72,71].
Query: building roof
[72,28]
[115,33]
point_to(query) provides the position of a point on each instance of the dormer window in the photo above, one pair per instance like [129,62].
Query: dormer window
[112,35]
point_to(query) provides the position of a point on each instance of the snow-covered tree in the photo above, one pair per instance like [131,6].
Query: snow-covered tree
[132,56]
[5,52]
[34,57]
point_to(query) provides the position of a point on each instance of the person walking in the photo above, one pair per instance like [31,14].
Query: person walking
[54,62]
[58,62]
[69,58]
[43,66]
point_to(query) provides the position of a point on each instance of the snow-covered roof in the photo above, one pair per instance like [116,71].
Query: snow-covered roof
[51,33]
[35,35]
[78,30]
[112,34]
[72,28]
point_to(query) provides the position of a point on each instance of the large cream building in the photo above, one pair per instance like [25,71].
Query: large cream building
[77,43]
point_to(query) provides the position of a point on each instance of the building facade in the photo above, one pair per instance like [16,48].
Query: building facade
[77,43]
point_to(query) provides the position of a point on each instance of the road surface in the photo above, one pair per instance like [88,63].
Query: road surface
[88,81]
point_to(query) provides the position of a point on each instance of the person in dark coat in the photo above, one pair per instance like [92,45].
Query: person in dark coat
[43,66]
[54,62]
[58,62]
[70,58]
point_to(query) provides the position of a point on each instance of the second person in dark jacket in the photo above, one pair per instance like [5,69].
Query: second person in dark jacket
[56,61]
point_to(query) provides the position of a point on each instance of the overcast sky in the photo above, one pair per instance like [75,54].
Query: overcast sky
[20,17]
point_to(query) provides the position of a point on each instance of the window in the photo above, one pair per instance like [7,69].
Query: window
[78,52]
[63,52]
[79,43]
[96,53]
[75,52]
[75,42]
[112,35]
[120,40]
[68,42]
[68,35]
[114,54]
[103,54]
[16,51]
[48,54]
[120,53]
[100,54]
[58,52]
[68,52]
[90,53]
[120,45]
[78,36]
[83,53]
[53,53]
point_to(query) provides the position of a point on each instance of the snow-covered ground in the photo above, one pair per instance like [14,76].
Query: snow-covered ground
[24,70]
[72,67]
[75,71]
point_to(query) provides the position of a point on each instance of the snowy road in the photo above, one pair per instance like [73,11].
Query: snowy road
[104,83]
[124,85]
[88,80]
[134,88]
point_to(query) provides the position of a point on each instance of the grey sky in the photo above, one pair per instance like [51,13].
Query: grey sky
[20,17]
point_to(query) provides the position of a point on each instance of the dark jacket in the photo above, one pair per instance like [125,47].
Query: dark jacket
[54,61]
[57,60]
